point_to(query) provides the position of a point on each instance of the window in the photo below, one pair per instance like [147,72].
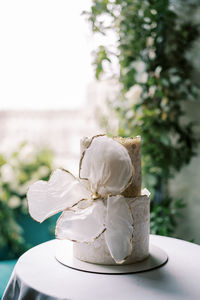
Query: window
[45,60]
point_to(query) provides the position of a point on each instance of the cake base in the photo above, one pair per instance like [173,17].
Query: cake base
[64,255]
[97,252]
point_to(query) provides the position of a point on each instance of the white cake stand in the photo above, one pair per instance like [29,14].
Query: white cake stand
[64,254]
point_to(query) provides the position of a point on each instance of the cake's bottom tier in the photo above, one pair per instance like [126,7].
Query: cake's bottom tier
[97,252]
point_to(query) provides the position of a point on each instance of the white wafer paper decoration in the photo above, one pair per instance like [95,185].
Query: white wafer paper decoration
[105,171]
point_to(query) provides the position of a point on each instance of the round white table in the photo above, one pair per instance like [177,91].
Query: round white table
[38,275]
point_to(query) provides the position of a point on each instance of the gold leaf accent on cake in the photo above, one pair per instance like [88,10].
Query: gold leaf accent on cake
[133,146]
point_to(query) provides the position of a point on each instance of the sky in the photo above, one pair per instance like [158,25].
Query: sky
[45,54]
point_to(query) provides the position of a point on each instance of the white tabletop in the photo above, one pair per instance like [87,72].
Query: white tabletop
[38,275]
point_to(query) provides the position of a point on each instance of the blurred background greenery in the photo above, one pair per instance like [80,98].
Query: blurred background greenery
[18,231]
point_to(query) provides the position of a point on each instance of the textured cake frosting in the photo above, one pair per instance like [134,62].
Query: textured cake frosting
[133,145]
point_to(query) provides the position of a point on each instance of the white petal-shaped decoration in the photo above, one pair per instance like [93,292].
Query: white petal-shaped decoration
[119,228]
[82,225]
[107,165]
[46,198]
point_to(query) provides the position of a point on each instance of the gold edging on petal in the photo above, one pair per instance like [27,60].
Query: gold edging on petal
[83,154]
[94,239]
[83,199]
[67,172]
[129,182]
[69,208]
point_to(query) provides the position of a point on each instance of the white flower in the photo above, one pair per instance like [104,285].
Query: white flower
[153,11]
[157,71]
[152,54]
[141,74]
[152,90]
[129,114]
[91,204]
[153,25]
[14,202]
[142,77]
[134,94]
[7,173]
[139,66]
[150,41]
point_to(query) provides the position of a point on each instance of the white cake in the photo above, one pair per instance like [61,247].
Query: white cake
[97,251]
[105,213]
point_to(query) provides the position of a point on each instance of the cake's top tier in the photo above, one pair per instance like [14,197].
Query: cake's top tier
[133,146]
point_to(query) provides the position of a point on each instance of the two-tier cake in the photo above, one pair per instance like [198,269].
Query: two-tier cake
[105,213]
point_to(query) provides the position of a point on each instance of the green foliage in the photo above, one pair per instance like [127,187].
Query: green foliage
[156,80]
[17,172]
[100,56]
